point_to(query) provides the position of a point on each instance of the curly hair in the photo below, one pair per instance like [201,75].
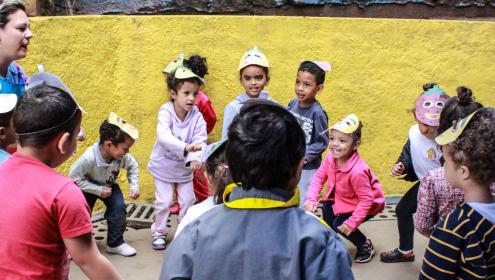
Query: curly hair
[457,107]
[112,133]
[475,148]
[197,64]
[216,167]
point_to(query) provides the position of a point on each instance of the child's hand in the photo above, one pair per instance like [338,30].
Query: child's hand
[194,165]
[134,194]
[193,148]
[397,169]
[106,192]
[310,207]
[344,229]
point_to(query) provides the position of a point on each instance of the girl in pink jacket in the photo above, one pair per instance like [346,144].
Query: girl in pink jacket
[354,194]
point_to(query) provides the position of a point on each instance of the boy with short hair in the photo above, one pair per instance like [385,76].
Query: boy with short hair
[259,232]
[7,133]
[97,170]
[44,215]
[312,118]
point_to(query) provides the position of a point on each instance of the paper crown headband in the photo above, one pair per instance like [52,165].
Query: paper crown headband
[7,102]
[253,57]
[323,65]
[348,125]
[183,72]
[429,105]
[127,128]
[172,66]
[451,134]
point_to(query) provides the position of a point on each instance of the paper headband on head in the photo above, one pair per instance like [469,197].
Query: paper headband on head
[172,66]
[7,102]
[253,57]
[183,72]
[323,65]
[348,125]
[451,134]
[212,149]
[127,128]
[429,105]
[48,79]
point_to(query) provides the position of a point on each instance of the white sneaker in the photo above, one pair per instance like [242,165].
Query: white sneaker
[124,250]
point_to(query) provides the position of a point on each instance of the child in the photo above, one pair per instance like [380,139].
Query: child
[97,170]
[354,194]
[419,155]
[218,176]
[461,246]
[436,197]
[254,76]
[198,65]
[248,235]
[7,133]
[44,215]
[312,118]
[181,134]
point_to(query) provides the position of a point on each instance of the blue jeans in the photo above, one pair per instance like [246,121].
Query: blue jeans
[115,214]
[334,221]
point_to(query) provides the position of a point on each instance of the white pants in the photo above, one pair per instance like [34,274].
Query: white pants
[164,194]
[304,182]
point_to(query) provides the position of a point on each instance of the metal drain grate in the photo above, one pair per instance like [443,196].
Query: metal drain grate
[387,214]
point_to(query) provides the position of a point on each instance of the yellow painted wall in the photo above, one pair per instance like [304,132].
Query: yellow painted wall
[114,63]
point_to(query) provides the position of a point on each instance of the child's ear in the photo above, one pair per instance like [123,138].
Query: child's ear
[107,144]
[320,88]
[464,172]
[63,143]
[356,144]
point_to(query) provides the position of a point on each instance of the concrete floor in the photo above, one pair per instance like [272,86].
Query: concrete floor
[147,263]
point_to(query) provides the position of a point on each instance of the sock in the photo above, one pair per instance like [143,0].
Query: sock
[405,252]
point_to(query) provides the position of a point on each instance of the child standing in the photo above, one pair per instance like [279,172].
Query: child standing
[254,76]
[97,170]
[312,118]
[419,155]
[247,237]
[354,194]
[461,246]
[181,135]
[218,176]
[7,132]
[44,214]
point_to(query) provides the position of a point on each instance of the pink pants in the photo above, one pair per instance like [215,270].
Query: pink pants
[164,193]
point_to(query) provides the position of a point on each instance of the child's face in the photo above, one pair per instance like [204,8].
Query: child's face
[185,97]
[253,79]
[342,145]
[7,134]
[306,87]
[429,132]
[117,152]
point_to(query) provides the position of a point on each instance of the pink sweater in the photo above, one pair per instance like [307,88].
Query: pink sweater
[353,187]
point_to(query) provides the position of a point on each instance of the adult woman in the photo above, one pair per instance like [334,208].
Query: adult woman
[14,40]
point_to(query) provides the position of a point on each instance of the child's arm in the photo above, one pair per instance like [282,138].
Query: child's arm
[165,136]
[199,137]
[426,218]
[404,164]
[132,167]
[320,144]
[362,188]
[78,172]
[209,115]
[319,179]
[228,115]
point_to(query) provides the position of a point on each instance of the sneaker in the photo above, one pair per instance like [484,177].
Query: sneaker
[159,242]
[124,250]
[175,208]
[396,256]
[364,252]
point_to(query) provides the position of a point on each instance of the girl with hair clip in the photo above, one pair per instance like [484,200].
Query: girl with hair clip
[462,244]
[436,196]
[419,155]
[354,194]
[218,176]
[181,135]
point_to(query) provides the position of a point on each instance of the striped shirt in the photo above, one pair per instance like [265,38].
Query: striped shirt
[462,246]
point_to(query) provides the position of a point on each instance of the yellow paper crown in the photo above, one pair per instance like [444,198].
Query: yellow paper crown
[348,125]
[253,57]
[451,134]
[183,72]
[172,66]
[127,128]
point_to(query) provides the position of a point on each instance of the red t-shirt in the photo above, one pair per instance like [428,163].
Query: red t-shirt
[38,208]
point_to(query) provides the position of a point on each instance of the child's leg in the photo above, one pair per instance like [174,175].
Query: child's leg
[306,177]
[356,237]
[328,215]
[404,211]
[185,195]
[116,217]
[163,199]
[90,199]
